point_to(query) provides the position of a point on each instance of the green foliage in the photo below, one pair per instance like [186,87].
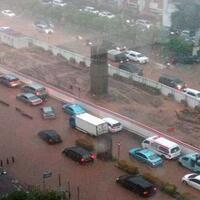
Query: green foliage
[169,189]
[34,195]
[179,47]
[127,167]
[85,143]
[187,15]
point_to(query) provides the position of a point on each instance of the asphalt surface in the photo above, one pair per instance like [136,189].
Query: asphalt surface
[33,156]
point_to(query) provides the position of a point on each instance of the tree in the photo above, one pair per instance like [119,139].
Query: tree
[187,15]
[178,48]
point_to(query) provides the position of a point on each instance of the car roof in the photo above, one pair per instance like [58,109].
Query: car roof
[28,95]
[163,141]
[191,155]
[49,132]
[139,180]
[134,52]
[36,86]
[174,78]
[79,150]
[146,152]
[10,77]
[47,109]
[75,107]
[192,90]
[110,120]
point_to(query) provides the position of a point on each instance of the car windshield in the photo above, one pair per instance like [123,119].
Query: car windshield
[33,97]
[153,157]
[116,125]
[48,109]
[193,175]
[175,149]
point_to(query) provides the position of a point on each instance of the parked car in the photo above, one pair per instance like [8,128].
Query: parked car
[117,56]
[113,125]
[192,180]
[50,136]
[162,146]
[192,92]
[43,26]
[29,98]
[147,24]
[8,13]
[130,67]
[48,112]
[37,89]
[10,80]
[107,14]
[2,171]
[137,184]
[172,81]
[147,156]
[191,161]
[60,3]
[79,154]
[73,109]
[137,57]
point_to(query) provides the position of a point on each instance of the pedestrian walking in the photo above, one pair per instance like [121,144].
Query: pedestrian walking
[13,159]
[7,161]
[1,163]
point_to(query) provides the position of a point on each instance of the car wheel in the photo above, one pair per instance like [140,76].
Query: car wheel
[184,182]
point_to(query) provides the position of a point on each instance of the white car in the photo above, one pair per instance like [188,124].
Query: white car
[192,180]
[107,14]
[143,22]
[8,13]
[137,57]
[113,125]
[192,92]
[59,3]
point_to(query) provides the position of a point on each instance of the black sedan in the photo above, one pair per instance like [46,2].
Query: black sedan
[50,136]
[79,154]
[137,184]
[29,98]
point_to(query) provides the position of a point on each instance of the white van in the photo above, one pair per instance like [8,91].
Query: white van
[192,92]
[162,146]
[113,125]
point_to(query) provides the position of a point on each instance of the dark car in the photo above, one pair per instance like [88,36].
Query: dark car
[48,112]
[172,81]
[10,80]
[129,67]
[79,154]
[50,136]
[37,89]
[137,184]
[29,98]
[122,57]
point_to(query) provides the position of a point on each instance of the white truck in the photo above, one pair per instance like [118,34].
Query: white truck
[88,123]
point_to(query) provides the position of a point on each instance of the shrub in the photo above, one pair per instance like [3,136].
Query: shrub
[154,179]
[169,189]
[127,167]
[85,143]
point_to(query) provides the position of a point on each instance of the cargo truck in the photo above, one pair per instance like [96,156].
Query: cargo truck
[88,123]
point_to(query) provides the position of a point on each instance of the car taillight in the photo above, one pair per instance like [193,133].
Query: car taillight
[82,159]
[145,193]
[93,156]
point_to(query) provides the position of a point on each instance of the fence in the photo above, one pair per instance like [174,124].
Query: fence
[165,90]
